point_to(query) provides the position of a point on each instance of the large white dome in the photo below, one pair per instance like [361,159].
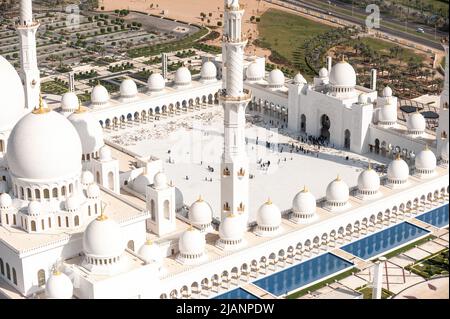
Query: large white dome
[156,82]
[44,146]
[208,71]
[276,79]
[337,192]
[304,202]
[151,253]
[89,130]
[12,106]
[99,95]
[368,181]
[254,72]
[269,215]
[231,228]
[425,161]
[128,89]
[103,238]
[416,123]
[183,76]
[58,286]
[69,102]
[200,213]
[398,171]
[342,75]
[192,242]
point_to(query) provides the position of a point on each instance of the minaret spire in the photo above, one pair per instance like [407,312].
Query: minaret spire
[443,127]
[29,71]
[234,98]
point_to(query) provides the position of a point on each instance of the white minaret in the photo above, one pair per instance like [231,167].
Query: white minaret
[234,180]
[226,6]
[442,130]
[29,71]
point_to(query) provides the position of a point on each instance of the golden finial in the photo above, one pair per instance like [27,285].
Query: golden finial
[305,189]
[370,166]
[191,228]
[80,109]
[269,201]
[200,198]
[102,216]
[338,178]
[149,242]
[41,109]
[56,272]
[398,156]
[231,214]
[426,147]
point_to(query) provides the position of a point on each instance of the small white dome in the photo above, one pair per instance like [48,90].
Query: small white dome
[89,130]
[299,79]
[12,94]
[231,228]
[156,82]
[44,146]
[87,178]
[276,79]
[5,200]
[398,170]
[368,181]
[444,152]
[388,114]
[128,89]
[93,191]
[337,192]
[183,76]
[363,98]
[416,123]
[323,73]
[208,71]
[99,95]
[103,238]
[73,203]
[105,154]
[343,75]
[304,202]
[269,215]
[151,253]
[425,160]
[387,92]
[69,102]
[192,242]
[254,72]
[34,208]
[160,180]
[200,213]
[59,286]
[141,182]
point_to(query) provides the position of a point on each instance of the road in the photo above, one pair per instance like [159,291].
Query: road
[359,21]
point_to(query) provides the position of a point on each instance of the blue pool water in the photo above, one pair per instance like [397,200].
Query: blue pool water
[437,217]
[302,274]
[238,293]
[384,240]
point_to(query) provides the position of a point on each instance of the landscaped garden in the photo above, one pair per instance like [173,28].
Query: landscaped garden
[432,266]
[56,87]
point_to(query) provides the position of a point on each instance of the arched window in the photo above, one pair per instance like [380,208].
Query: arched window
[22,193]
[41,277]
[55,192]
[152,210]
[67,221]
[2,267]
[167,209]
[111,180]
[70,188]
[77,220]
[28,193]
[63,191]
[14,220]
[14,276]
[33,225]
[49,222]
[37,193]
[42,224]
[130,245]
[98,177]
[96,210]
[89,210]
[8,272]
[46,193]
[59,221]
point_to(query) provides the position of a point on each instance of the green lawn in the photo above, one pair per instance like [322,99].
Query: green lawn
[54,87]
[367,293]
[321,284]
[285,32]
[384,46]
